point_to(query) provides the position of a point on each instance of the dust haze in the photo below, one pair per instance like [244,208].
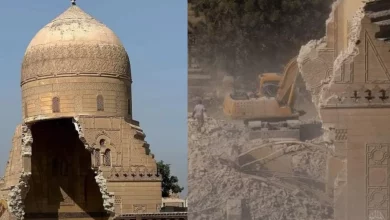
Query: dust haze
[268,148]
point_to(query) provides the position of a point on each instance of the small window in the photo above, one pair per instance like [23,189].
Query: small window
[107,158]
[100,103]
[102,143]
[56,105]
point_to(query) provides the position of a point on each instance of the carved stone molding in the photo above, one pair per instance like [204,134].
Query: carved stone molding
[74,59]
[71,86]
[93,136]
[139,208]
[361,97]
[133,173]
[118,200]
[377,174]
[341,134]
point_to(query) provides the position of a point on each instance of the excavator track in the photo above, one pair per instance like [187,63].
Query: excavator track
[294,116]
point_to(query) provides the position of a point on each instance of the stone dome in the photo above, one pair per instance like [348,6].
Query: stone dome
[75,43]
[74,66]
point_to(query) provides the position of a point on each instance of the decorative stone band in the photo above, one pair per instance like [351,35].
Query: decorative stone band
[134,173]
[47,61]
[161,215]
[341,135]
[362,97]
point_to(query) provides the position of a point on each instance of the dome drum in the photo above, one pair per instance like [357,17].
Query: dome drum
[74,96]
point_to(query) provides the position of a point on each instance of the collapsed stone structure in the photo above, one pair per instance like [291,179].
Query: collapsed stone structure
[78,152]
[347,73]
[342,174]
[220,187]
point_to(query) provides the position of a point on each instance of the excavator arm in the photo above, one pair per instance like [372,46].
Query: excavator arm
[265,107]
[285,94]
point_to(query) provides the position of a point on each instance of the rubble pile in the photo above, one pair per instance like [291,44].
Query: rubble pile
[310,163]
[215,178]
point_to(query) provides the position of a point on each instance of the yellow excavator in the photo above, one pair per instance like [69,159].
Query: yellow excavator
[273,101]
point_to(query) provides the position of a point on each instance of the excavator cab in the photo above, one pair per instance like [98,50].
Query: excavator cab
[268,84]
[267,104]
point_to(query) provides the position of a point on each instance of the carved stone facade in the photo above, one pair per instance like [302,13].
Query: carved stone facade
[42,61]
[79,153]
[353,101]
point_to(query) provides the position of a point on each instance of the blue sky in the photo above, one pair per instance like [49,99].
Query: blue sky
[154,33]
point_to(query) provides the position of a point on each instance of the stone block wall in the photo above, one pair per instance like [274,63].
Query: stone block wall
[76,96]
[136,197]
[132,177]
[14,165]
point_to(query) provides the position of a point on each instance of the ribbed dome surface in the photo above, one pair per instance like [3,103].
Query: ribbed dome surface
[75,43]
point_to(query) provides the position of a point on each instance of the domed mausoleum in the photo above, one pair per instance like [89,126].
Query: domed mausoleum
[78,153]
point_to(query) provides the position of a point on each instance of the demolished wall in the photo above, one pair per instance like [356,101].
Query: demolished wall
[351,51]
[16,197]
[360,66]
[108,198]
[18,192]
[319,84]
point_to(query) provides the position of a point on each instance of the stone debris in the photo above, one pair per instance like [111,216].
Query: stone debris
[80,131]
[108,198]
[317,86]
[215,177]
[18,192]
[16,197]
[331,15]
[27,140]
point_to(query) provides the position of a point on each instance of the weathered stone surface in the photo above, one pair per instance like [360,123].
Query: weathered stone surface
[353,104]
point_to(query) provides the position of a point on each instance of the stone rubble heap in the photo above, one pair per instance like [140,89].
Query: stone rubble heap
[215,178]
[17,195]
